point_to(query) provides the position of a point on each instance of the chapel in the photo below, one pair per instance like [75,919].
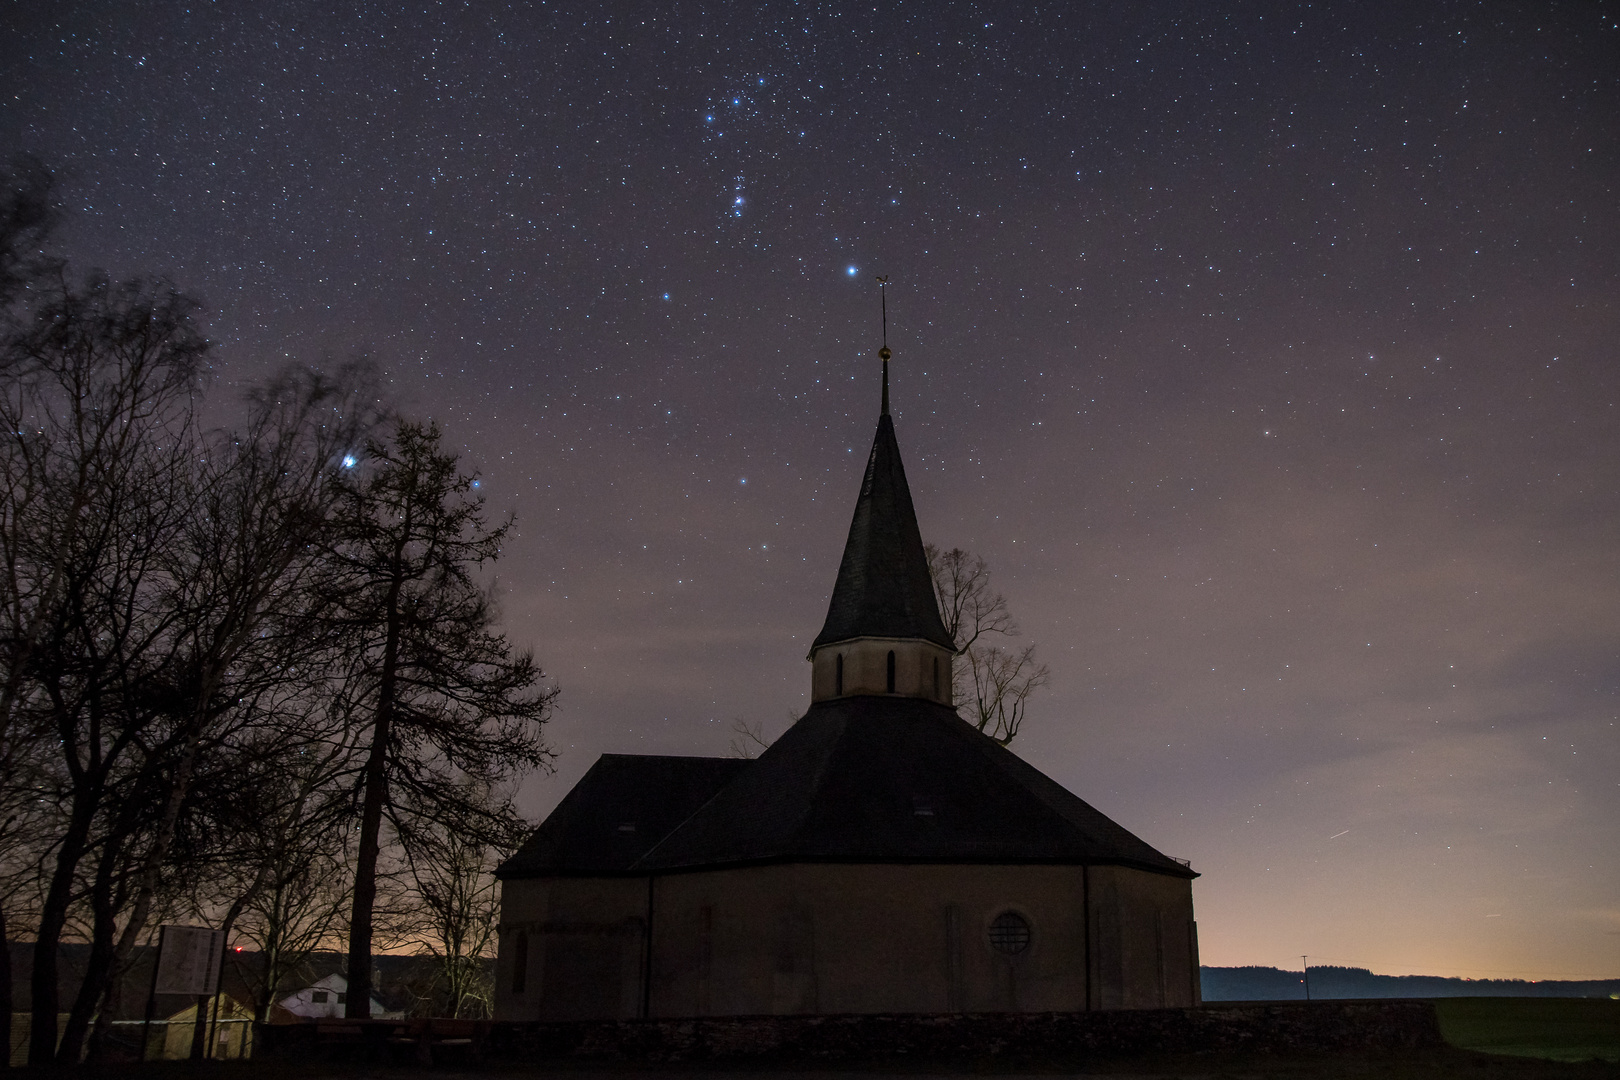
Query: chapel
[882,856]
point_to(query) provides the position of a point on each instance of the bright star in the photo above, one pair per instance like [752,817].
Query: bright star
[852,271]
[348,461]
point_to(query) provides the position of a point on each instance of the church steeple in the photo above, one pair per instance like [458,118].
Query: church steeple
[883,587]
[883,632]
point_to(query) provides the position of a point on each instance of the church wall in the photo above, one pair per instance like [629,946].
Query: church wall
[830,938]
[860,939]
[584,944]
[1145,947]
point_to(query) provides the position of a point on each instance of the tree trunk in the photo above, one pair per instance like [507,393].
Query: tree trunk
[101,961]
[272,959]
[202,1040]
[5,989]
[199,1029]
[358,1006]
[43,991]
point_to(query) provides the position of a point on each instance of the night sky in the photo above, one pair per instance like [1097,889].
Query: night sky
[1269,352]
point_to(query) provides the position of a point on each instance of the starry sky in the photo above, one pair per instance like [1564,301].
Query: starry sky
[1269,352]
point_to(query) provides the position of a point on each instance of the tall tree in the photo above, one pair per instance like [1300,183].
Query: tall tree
[993,687]
[96,413]
[450,710]
[222,618]
[145,565]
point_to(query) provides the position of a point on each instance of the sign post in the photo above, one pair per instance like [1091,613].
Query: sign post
[188,962]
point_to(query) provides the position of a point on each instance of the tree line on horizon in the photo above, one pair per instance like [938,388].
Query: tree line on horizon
[251,675]
[1336,982]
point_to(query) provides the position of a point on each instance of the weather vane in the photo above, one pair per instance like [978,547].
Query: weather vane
[883,353]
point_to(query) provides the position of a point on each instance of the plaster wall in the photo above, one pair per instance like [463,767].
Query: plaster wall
[811,939]
[582,951]
[866,669]
[1145,954]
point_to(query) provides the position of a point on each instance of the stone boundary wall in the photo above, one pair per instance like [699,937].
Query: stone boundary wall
[1253,1027]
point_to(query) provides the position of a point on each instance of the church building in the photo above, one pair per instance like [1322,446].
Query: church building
[882,856]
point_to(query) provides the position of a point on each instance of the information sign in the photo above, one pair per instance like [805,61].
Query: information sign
[188,961]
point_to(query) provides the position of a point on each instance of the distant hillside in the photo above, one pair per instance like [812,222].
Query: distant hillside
[1274,984]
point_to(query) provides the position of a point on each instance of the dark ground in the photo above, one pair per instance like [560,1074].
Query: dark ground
[1491,1039]
[1428,1065]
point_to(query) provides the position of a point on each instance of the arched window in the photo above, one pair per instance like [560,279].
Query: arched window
[520,962]
[838,677]
[891,671]
[936,676]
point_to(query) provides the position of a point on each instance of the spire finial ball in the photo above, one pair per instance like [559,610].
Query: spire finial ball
[884,354]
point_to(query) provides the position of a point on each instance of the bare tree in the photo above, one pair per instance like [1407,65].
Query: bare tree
[96,417]
[145,563]
[269,840]
[240,574]
[1002,681]
[457,897]
[748,740]
[448,707]
[993,687]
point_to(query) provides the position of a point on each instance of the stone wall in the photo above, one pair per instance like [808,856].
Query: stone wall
[1251,1027]
[959,1040]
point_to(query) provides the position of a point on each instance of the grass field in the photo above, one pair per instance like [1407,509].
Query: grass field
[1560,1029]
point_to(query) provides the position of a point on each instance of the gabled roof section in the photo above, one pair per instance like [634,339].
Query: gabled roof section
[620,808]
[883,587]
[896,780]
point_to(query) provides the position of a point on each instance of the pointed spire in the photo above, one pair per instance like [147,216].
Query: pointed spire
[883,587]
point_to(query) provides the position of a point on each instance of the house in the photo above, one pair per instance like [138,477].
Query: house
[228,1029]
[321,1000]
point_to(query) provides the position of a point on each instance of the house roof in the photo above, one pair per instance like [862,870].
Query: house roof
[619,809]
[883,587]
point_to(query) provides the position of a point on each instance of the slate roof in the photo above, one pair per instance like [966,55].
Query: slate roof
[884,780]
[586,834]
[883,587]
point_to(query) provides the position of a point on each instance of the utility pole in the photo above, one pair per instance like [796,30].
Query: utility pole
[1303,963]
